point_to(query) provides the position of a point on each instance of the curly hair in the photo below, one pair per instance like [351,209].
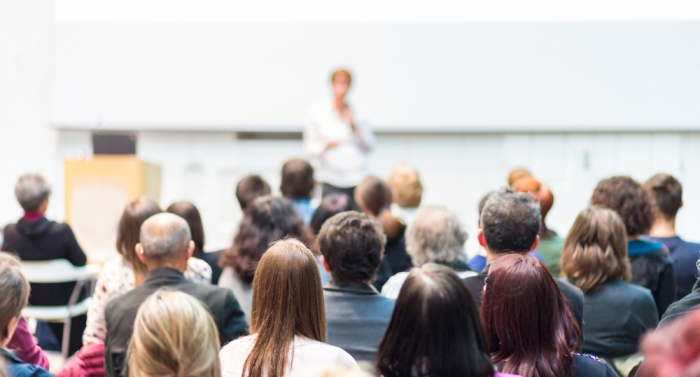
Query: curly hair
[267,219]
[510,221]
[435,235]
[628,198]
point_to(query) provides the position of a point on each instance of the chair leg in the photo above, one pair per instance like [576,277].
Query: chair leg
[65,344]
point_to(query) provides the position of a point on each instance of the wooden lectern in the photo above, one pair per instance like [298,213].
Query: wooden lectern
[96,192]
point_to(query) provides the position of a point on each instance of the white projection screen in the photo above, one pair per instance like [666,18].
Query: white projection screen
[409,76]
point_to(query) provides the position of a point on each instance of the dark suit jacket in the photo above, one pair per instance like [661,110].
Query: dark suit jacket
[120,313]
[574,296]
[357,317]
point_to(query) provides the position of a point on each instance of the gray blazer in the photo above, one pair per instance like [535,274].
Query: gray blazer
[357,317]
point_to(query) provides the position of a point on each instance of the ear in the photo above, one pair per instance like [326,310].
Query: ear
[535,244]
[190,249]
[481,238]
[139,253]
[325,264]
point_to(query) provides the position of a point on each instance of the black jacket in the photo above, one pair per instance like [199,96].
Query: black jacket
[42,240]
[683,306]
[120,313]
[652,268]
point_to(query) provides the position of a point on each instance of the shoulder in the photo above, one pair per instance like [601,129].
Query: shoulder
[198,271]
[570,291]
[589,365]
[17,368]
[393,286]
[234,354]
[324,352]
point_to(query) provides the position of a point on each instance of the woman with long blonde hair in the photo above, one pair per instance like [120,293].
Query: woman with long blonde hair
[288,320]
[174,336]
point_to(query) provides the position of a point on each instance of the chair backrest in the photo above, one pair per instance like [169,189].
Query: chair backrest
[57,271]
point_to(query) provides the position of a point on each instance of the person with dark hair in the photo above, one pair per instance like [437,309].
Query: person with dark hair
[616,312]
[673,350]
[667,198]
[510,223]
[352,245]
[36,238]
[435,329]
[528,324]
[298,185]
[190,213]
[250,188]
[374,197]
[652,267]
[339,143]
[266,219]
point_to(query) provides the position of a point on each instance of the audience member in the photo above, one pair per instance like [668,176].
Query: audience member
[434,330]
[681,307]
[652,267]
[267,219]
[165,246]
[673,350]
[123,273]
[528,324]
[174,336]
[510,223]
[14,296]
[616,313]
[298,186]
[550,243]
[352,244]
[250,188]
[35,238]
[88,362]
[517,174]
[190,213]
[288,322]
[407,190]
[667,198]
[435,236]
[374,197]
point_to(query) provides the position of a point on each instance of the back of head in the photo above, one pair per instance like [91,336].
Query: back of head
[510,221]
[406,186]
[250,188]
[14,291]
[174,336]
[595,250]
[517,174]
[523,309]
[266,220]
[129,230]
[352,245]
[331,205]
[435,235]
[287,301]
[541,192]
[374,196]
[673,350]
[626,197]
[297,179]
[165,237]
[31,190]
[434,330]
[190,213]
[666,194]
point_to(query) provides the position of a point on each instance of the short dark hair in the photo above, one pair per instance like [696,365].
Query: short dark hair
[190,213]
[510,221]
[628,198]
[352,243]
[297,179]
[250,188]
[666,194]
[331,205]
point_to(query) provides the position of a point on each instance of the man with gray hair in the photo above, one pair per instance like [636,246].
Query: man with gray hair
[165,247]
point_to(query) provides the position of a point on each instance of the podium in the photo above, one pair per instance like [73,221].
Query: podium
[96,193]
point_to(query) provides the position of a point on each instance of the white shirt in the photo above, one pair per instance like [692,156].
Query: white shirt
[304,353]
[393,286]
[346,164]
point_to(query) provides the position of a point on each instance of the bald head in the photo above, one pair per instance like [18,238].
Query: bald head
[165,237]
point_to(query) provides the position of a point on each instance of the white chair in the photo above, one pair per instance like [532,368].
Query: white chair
[59,271]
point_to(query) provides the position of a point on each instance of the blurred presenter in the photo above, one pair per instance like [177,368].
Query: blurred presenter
[338,142]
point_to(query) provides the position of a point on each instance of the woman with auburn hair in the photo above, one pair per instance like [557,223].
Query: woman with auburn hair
[529,326]
[174,336]
[616,312]
[434,330]
[288,319]
[673,350]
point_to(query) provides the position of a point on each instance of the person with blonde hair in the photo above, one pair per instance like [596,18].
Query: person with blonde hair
[174,336]
[407,190]
[288,319]
[616,313]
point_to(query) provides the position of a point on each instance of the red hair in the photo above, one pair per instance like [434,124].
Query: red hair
[673,350]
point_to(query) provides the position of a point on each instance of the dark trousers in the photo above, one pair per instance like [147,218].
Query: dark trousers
[328,189]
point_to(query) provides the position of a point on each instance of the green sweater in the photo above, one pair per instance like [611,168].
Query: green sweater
[550,248]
